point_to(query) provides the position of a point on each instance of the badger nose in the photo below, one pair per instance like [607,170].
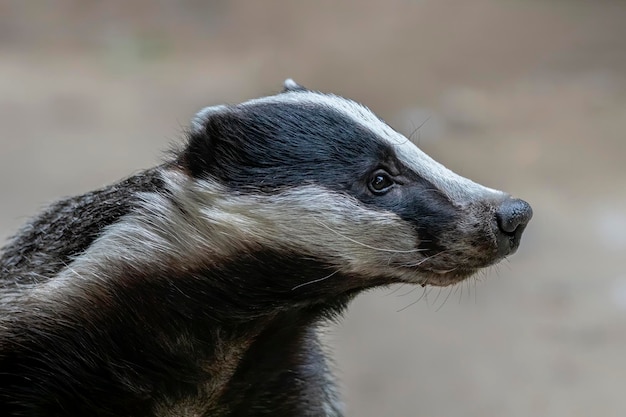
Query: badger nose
[512,216]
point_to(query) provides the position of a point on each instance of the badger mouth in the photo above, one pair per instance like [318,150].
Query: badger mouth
[444,278]
[451,265]
[442,273]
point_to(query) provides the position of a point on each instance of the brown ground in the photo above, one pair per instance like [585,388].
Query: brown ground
[526,96]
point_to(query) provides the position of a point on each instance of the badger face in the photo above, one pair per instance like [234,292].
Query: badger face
[322,177]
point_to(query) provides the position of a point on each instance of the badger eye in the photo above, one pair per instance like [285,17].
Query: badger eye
[380,182]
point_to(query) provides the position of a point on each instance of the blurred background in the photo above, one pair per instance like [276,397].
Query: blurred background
[528,96]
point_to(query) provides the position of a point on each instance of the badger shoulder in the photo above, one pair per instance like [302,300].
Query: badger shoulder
[66,228]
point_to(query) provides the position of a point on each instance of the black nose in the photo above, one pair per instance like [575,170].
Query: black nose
[513,215]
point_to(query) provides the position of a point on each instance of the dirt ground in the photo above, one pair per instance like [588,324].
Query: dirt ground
[525,96]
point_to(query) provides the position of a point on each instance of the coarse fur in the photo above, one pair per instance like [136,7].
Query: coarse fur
[197,288]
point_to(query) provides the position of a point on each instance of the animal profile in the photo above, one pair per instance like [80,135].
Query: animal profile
[197,287]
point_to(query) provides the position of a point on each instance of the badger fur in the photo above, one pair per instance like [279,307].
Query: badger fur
[197,288]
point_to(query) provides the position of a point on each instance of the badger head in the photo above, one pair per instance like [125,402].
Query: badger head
[319,177]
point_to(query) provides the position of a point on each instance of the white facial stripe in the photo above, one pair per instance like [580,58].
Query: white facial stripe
[457,188]
[309,219]
[207,223]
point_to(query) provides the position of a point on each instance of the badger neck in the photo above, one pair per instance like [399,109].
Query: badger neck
[189,337]
[259,318]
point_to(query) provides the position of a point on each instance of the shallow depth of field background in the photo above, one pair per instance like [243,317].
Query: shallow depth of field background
[527,96]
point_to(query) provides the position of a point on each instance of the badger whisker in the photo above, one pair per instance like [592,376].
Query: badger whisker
[393,251]
[426,259]
[425,292]
[417,129]
[445,300]
[438,295]
[396,289]
[314,281]
[408,292]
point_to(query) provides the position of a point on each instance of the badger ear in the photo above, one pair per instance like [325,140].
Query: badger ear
[199,121]
[203,134]
[291,85]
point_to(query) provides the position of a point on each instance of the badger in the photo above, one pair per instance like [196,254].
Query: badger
[199,287]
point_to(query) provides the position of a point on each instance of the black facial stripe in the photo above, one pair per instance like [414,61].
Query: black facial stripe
[419,202]
[271,146]
[430,209]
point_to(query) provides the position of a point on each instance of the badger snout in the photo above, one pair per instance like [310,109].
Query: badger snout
[512,217]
